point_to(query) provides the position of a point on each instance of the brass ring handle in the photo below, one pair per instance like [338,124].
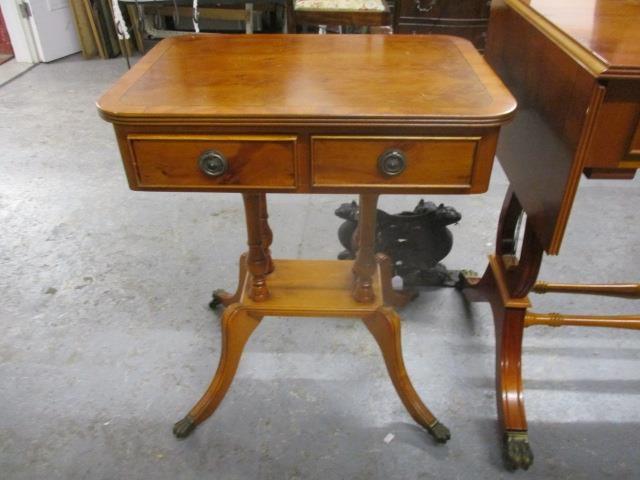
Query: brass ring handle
[392,162]
[212,163]
[422,9]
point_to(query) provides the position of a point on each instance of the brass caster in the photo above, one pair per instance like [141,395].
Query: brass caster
[439,432]
[516,450]
[216,299]
[184,427]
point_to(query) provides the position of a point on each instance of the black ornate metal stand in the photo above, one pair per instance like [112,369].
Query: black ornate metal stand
[416,241]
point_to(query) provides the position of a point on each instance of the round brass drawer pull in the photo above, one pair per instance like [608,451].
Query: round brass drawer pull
[392,162]
[212,163]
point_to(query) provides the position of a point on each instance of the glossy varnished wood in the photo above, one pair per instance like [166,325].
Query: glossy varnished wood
[574,67]
[237,326]
[273,104]
[449,163]
[601,35]
[164,159]
[265,232]
[635,140]
[384,325]
[616,141]
[509,323]
[258,260]
[364,266]
[554,95]
[293,78]
[263,102]
[254,162]
[328,282]
[312,288]
[629,290]
[629,322]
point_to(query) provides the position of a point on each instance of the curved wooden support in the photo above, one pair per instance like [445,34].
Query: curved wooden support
[396,298]
[365,265]
[225,298]
[508,223]
[522,273]
[631,322]
[384,325]
[509,330]
[237,326]
[522,276]
[508,319]
[509,327]
[630,290]
[508,316]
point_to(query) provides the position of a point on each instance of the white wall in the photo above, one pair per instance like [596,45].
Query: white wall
[24,49]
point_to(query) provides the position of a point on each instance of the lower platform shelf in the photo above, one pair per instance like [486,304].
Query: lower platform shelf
[312,288]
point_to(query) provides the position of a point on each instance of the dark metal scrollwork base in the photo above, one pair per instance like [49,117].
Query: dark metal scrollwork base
[416,241]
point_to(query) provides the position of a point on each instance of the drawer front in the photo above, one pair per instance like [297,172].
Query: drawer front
[615,142]
[247,162]
[634,149]
[451,9]
[428,163]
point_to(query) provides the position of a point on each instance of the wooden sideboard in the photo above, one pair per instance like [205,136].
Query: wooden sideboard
[574,67]
[464,18]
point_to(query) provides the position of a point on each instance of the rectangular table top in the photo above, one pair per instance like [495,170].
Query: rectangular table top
[410,79]
[603,35]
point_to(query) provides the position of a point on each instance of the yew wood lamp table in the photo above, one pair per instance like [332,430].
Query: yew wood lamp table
[359,114]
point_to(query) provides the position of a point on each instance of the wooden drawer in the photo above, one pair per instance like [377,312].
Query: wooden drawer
[448,9]
[634,149]
[430,163]
[615,142]
[253,162]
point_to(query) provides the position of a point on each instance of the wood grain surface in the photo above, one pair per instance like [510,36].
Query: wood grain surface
[266,162]
[434,162]
[299,287]
[617,142]
[543,152]
[310,78]
[601,35]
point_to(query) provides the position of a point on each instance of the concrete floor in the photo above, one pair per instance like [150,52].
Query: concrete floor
[107,339]
[12,69]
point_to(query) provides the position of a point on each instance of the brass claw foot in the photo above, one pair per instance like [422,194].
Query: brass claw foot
[217,298]
[517,452]
[184,427]
[439,432]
